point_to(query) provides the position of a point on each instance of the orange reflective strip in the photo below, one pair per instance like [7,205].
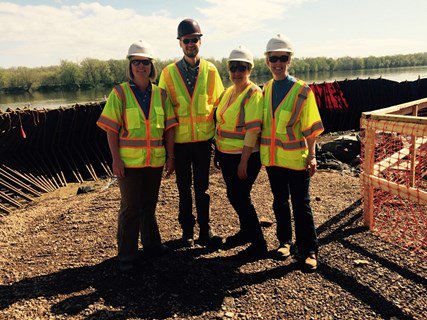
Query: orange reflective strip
[170,122]
[170,84]
[296,111]
[109,123]
[315,127]
[140,143]
[253,125]
[231,135]
[294,145]
[241,120]
[120,92]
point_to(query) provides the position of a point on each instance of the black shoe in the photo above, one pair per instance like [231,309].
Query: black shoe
[156,251]
[126,266]
[238,239]
[207,239]
[254,251]
[187,239]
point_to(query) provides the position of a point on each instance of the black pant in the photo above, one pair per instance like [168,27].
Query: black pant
[239,192]
[284,183]
[139,191]
[192,162]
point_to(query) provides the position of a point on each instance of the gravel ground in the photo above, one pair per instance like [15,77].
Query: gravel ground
[58,262]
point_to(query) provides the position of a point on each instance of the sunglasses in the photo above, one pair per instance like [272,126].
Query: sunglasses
[187,41]
[273,59]
[138,62]
[239,68]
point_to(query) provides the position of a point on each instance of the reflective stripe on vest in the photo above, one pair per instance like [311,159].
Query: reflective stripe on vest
[109,123]
[241,122]
[296,111]
[120,92]
[284,145]
[128,143]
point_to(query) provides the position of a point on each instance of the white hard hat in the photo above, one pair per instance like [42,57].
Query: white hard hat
[241,53]
[279,43]
[140,49]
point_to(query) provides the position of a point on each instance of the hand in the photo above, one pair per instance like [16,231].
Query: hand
[216,159]
[118,168]
[169,167]
[311,165]
[242,170]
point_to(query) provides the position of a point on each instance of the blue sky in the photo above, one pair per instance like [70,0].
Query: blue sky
[41,33]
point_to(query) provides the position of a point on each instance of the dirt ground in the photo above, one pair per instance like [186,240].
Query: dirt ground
[58,262]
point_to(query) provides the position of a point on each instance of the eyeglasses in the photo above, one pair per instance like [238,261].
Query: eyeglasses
[138,62]
[239,68]
[273,59]
[187,41]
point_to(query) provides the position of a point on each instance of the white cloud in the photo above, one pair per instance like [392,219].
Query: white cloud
[79,31]
[359,47]
[226,19]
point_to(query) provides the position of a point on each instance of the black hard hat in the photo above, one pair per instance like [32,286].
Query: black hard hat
[189,26]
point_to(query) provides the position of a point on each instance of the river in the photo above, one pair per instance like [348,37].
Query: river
[56,99]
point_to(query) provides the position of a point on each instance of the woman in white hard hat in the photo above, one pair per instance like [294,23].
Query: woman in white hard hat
[291,123]
[238,124]
[138,118]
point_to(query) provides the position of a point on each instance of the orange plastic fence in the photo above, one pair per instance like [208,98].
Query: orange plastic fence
[394,177]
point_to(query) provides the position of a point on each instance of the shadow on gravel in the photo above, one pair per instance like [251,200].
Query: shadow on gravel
[184,283]
[164,286]
[338,229]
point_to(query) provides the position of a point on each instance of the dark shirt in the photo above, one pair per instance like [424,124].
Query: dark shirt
[143,98]
[189,74]
[280,89]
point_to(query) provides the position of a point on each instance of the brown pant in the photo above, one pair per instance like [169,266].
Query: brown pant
[139,191]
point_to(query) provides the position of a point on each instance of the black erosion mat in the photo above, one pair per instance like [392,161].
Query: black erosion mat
[41,150]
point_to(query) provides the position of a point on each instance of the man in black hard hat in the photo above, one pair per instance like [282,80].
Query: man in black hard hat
[194,85]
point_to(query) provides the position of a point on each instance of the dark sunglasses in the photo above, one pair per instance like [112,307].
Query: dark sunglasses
[138,62]
[237,68]
[273,59]
[187,41]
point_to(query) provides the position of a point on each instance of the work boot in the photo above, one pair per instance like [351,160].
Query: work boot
[254,251]
[238,239]
[126,266]
[187,238]
[207,239]
[283,252]
[158,250]
[310,262]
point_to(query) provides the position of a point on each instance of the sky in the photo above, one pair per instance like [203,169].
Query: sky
[42,33]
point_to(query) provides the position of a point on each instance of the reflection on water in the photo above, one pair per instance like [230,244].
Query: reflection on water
[53,99]
[56,99]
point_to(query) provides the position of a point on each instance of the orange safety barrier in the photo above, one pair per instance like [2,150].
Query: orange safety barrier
[394,177]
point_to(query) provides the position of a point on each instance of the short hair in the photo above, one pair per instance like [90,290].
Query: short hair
[153,72]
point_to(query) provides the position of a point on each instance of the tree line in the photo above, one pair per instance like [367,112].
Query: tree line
[91,73]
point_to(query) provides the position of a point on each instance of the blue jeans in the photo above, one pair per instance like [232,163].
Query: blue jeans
[284,183]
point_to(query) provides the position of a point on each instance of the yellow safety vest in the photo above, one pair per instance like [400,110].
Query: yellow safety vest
[235,118]
[194,113]
[284,133]
[140,139]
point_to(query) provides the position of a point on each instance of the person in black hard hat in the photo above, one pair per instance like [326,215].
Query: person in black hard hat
[193,85]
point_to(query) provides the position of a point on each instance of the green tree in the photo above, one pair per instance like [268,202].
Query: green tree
[70,75]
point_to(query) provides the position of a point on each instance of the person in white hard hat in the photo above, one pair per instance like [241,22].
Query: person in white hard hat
[238,118]
[291,123]
[139,120]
